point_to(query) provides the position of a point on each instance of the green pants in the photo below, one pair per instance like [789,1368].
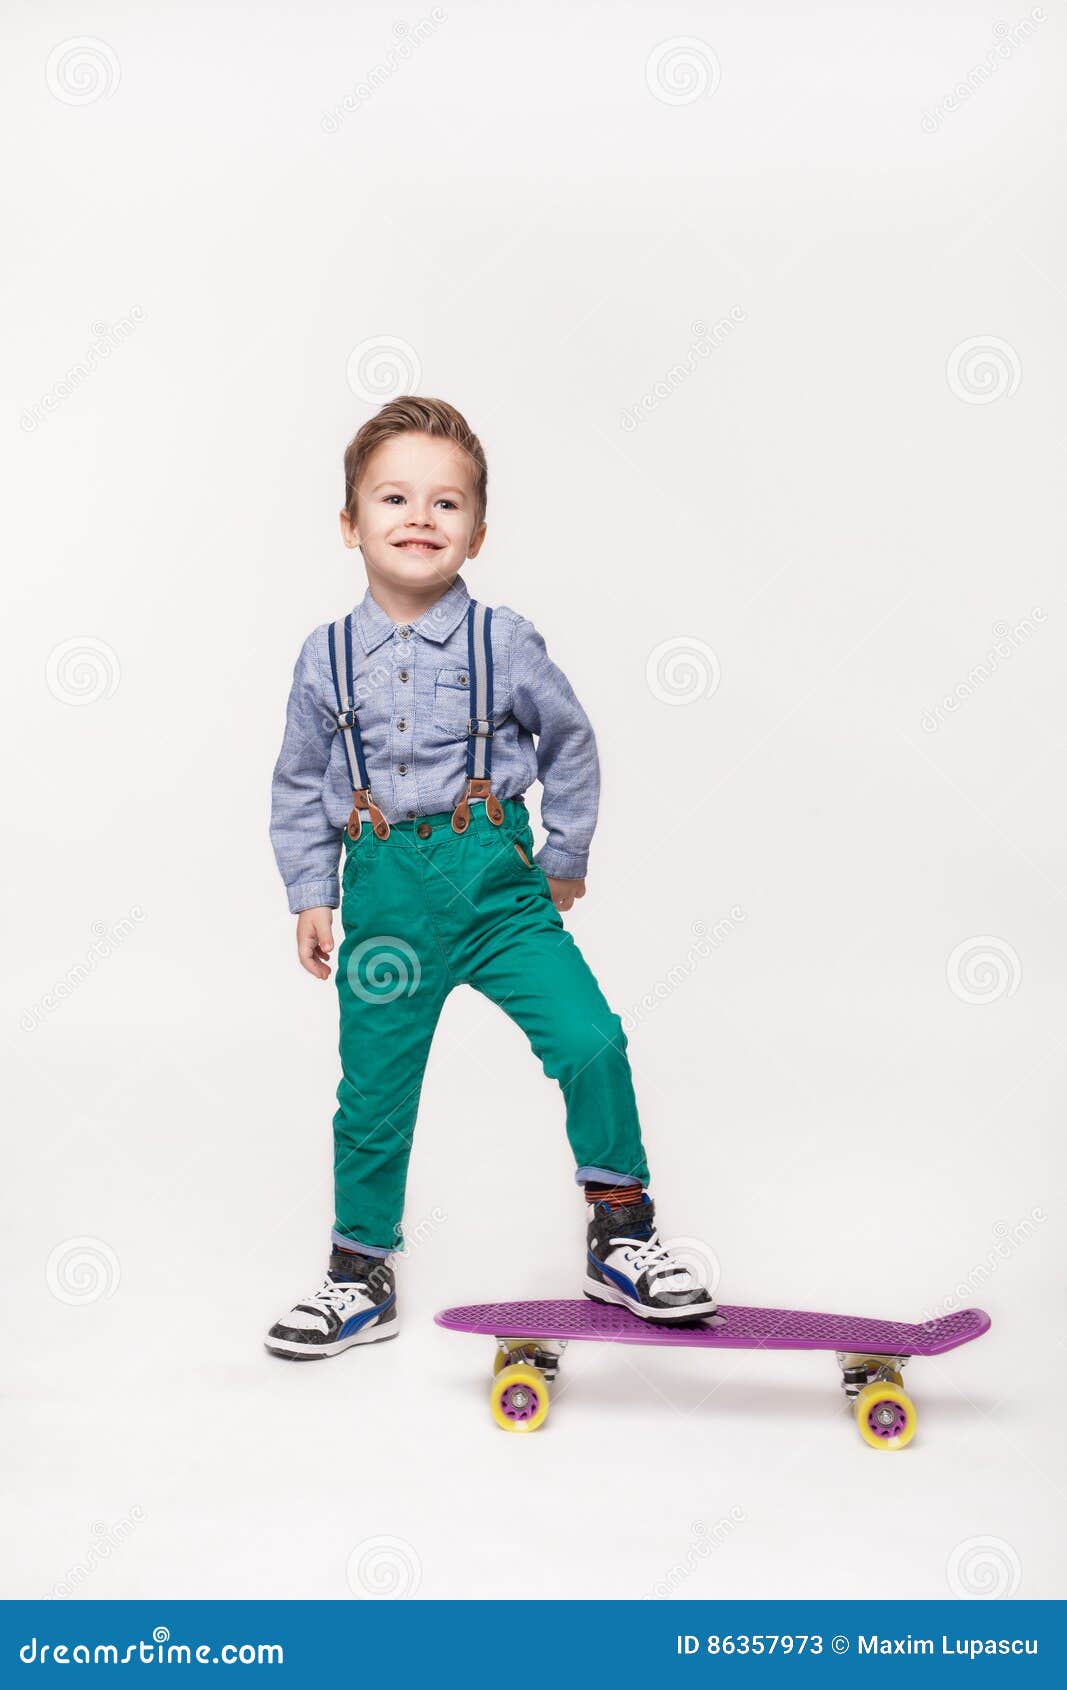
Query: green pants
[423,911]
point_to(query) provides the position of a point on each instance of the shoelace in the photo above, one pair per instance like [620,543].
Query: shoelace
[651,1253]
[331,1297]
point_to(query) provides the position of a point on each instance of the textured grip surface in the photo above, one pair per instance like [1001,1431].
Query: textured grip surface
[741,1329]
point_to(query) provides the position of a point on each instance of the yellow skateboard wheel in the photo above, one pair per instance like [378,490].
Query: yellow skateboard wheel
[519,1398]
[885,1415]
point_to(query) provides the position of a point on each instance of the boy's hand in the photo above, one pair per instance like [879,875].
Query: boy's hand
[314,941]
[564,892]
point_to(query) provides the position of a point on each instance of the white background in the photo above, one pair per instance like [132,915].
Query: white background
[840,503]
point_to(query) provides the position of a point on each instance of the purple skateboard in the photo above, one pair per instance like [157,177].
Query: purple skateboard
[871,1353]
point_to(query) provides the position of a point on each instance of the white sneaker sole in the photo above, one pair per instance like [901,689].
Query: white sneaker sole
[598,1292]
[318,1352]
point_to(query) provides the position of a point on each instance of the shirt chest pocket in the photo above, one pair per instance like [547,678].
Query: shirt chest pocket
[451,701]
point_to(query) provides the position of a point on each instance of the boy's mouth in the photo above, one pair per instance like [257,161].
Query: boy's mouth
[421,548]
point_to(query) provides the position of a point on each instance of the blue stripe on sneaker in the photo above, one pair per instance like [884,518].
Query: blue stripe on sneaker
[364,1319]
[620,1279]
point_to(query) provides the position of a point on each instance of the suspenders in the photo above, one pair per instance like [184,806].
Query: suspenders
[348,728]
[479,720]
[479,725]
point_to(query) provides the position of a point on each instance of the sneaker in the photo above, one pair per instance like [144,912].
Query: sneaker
[628,1265]
[356,1305]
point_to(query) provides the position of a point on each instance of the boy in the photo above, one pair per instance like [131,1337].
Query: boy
[410,733]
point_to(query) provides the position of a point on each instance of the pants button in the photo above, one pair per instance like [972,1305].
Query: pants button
[424,830]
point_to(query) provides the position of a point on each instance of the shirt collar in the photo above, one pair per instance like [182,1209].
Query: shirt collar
[442,619]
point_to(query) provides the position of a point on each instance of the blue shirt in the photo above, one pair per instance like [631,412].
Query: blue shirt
[413,709]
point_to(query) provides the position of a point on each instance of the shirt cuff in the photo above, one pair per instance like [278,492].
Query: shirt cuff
[314,895]
[562,865]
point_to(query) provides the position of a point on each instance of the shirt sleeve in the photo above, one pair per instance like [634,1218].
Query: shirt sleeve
[306,845]
[543,702]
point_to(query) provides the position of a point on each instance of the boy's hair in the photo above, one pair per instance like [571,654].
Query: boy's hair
[410,415]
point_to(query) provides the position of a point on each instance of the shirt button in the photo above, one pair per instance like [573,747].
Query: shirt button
[410,815]
[424,830]
[463,680]
[403,675]
[404,632]
[401,723]
[401,768]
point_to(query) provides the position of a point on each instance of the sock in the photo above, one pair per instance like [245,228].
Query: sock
[615,1196]
[348,1265]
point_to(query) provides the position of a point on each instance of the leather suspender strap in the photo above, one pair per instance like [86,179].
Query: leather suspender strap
[343,671]
[480,719]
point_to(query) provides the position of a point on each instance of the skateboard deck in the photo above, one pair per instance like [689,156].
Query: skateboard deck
[870,1353]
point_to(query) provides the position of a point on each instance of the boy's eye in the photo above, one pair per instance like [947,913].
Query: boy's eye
[449,504]
[394,498]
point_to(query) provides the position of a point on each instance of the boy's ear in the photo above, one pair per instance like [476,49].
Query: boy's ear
[476,541]
[349,531]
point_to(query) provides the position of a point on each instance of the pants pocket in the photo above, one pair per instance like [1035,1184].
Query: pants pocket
[355,876]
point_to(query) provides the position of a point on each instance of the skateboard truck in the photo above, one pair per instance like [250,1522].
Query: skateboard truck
[512,1352]
[859,1370]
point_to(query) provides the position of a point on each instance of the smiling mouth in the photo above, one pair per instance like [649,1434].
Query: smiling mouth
[419,546]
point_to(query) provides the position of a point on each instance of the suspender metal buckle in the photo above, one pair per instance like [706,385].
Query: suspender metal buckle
[347,719]
[479,726]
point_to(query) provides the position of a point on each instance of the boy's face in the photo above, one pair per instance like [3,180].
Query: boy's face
[415,512]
